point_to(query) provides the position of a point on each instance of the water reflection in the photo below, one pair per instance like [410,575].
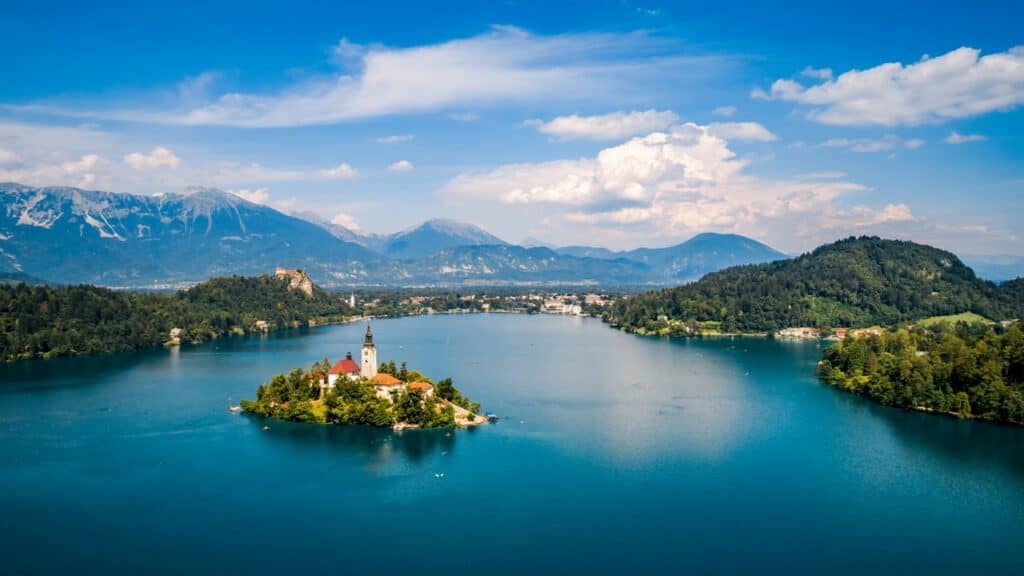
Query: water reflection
[377,444]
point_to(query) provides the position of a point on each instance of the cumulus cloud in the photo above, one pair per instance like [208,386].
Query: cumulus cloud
[342,171]
[612,126]
[727,111]
[401,166]
[957,138]
[158,157]
[346,220]
[683,180]
[958,84]
[256,196]
[395,138]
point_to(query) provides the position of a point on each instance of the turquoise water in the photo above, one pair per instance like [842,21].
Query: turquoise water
[617,454]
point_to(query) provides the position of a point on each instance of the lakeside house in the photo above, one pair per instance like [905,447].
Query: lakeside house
[799,333]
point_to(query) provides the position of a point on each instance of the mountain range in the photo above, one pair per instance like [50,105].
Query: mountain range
[71,235]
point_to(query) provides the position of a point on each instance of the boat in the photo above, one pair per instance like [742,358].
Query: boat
[491,417]
[265,428]
[234,409]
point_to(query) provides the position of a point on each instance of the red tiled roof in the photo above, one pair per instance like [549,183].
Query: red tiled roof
[383,379]
[421,386]
[345,366]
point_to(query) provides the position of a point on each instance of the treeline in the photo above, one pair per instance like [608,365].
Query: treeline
[854,282]
[296,396]
[970,370]
[45,321]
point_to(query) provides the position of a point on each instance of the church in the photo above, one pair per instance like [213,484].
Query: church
[385,385]
[348,368]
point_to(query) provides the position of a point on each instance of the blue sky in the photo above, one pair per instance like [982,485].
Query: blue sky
[609,123]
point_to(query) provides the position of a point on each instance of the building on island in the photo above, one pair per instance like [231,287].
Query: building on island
[425,387]
[369,366]
[386,384]
[346,368]
[350,369]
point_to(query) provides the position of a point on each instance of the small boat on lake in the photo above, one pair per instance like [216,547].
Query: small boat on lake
[234,409]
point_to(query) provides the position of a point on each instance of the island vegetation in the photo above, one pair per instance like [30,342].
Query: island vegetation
[300,396]
[47,321]
[856,282]
[967,369]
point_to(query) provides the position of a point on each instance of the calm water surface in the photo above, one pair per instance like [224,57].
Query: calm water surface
[617,454]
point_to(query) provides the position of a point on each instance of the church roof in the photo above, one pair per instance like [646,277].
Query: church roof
[383,379]
[345,366]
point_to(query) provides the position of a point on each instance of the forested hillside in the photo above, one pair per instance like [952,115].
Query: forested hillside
[854,282]
[966,370]
[44,321]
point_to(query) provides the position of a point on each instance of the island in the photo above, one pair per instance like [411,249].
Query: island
[365,393]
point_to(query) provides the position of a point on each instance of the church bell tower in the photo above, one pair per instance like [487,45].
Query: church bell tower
[369,366]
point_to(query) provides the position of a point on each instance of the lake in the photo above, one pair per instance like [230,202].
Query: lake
[615,454]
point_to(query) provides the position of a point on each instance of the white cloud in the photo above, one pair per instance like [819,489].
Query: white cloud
[159,157]
[957,138]
[395,138]
[664,184]
[346,220]
[743,131]
[727,111]
[401,166]
[256,196]
[612,126]
[819,73]
[867,145]
[464,116]
[958,84]
[891,213]
[342,171]
[505,65]
[8,158]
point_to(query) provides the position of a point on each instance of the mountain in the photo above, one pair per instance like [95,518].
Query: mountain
[692,259]
[435,235]
[70,235]
[996,267]
[497,264]
[853,282]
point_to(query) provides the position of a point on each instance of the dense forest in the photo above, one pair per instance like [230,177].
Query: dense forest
[854,282]
[45,321]
[296,396]
[970,370]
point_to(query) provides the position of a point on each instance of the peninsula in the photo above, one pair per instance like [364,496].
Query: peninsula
[364,393]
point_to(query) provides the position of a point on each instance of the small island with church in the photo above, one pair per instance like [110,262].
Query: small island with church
[364,393]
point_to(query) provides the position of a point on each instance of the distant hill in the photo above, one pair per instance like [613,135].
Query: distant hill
[692,259]
[853,282]
[48,321]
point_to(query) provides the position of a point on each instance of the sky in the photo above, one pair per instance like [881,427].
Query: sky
[618,124]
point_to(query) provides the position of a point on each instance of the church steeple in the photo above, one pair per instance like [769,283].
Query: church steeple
[368,369]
